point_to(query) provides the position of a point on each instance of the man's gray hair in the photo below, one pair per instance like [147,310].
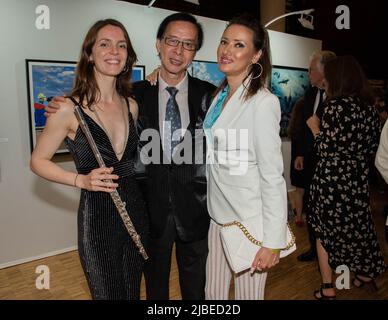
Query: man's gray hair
[322,56]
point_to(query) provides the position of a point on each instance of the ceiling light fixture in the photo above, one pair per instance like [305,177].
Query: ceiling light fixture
[191,1]
[305,19]
[151,3]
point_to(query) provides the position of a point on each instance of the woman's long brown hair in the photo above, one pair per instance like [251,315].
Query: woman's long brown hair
[85,87]
[260,42]
[345,77]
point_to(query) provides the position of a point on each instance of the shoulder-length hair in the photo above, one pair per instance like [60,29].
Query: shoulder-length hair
[345,77]
[85,87]
[260,75]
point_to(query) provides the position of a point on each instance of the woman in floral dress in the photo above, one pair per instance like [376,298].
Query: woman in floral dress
[339,197]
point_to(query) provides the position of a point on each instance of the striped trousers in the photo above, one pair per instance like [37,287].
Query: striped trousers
[219,274]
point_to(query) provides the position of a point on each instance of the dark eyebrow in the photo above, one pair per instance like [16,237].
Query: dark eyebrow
[235,40]
[175,37]
[105,39]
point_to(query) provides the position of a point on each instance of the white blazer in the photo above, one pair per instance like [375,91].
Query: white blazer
[381,160]
[245,165]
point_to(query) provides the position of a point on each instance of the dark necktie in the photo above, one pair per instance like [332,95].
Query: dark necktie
[172,123]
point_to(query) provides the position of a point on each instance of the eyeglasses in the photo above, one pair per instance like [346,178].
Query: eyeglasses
[187,45]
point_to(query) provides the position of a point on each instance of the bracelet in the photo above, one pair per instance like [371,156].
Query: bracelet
[75,180]
[274,250]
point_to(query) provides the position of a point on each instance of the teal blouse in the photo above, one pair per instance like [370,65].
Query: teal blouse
[215,112]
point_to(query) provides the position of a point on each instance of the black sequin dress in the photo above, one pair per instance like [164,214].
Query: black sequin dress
[111,262]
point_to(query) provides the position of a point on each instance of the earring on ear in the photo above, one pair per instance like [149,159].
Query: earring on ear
[125,70]
[249,68]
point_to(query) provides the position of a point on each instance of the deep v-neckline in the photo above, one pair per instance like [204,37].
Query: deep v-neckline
[106,134]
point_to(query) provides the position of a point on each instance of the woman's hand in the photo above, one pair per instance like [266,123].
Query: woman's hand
[97,180]
[153,76]
[265,258]
[314,124]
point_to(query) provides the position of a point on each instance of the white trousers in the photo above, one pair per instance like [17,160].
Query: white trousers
[219,274]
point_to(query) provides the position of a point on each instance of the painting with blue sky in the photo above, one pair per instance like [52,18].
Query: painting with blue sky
[207,71]
[138,73]
[47,79]
[288,84]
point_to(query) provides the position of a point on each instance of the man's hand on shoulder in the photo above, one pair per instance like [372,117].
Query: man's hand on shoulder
[54,105]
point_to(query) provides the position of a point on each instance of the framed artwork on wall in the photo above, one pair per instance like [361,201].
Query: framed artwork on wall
[207,71]
[138,73]
[45,80]
[288,84]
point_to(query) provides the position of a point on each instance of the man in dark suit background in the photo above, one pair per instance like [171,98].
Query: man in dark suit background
[314,102]
[176,193]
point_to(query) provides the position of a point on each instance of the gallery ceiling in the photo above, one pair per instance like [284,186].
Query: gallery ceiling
[217,9]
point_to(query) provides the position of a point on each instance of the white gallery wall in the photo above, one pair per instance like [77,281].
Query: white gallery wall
[39,218]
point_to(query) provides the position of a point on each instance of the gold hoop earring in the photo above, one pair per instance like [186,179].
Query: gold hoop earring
[261,70]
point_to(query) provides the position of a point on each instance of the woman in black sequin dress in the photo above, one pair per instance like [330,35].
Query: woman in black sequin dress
[110,259]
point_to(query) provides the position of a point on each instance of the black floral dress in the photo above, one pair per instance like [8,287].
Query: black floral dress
[339,197]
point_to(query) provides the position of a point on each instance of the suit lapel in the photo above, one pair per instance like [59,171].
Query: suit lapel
[152,103]
[311,103]
[194,101]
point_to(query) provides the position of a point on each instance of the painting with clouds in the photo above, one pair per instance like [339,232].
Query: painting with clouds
[207,71]
[46,79]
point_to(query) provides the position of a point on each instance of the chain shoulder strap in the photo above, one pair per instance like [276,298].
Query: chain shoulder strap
[252,239]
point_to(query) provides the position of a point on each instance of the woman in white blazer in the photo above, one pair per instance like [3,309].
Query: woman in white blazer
[244,160]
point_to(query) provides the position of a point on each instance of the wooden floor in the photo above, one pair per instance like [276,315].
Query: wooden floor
[289,280]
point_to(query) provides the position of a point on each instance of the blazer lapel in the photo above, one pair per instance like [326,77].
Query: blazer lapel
[232,109]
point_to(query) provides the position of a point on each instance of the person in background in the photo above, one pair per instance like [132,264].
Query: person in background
[314,99]
[241,188]
[297,177]
[339,198]
[381,106]
[111,262]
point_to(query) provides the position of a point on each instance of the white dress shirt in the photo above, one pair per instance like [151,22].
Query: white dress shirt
[317,99]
